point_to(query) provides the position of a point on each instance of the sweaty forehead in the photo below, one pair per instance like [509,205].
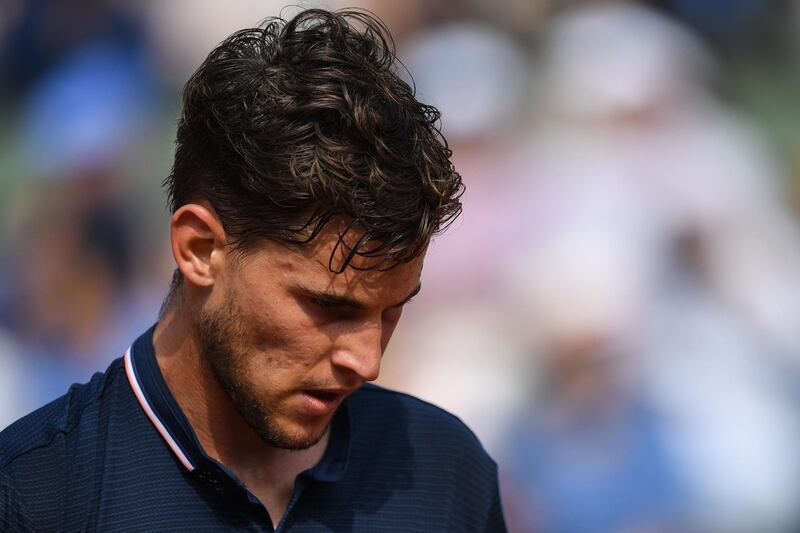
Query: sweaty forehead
[332,248]
[309,264]
[342,243]
[363,276]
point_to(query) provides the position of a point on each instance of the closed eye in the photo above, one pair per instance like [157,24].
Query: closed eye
[331,309]
[326,304]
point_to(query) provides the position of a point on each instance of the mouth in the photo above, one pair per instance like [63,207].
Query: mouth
[323,401]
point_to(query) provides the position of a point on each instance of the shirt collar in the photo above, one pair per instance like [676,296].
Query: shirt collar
[153,394]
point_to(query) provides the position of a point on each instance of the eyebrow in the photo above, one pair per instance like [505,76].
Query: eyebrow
[350,302]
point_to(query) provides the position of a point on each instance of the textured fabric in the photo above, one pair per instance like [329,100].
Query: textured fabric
[94,460]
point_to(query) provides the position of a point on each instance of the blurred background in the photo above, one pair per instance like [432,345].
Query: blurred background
[617,312]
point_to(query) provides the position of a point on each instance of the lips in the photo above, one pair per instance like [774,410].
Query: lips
[323,401]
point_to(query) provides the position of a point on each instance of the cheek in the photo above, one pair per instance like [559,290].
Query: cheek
[270,308]
[283,341]
[279,334]
[268,321]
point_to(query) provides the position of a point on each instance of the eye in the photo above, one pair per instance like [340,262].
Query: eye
[331,310]
[325,304]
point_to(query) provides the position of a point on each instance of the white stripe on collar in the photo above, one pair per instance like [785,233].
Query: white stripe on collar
[137,391]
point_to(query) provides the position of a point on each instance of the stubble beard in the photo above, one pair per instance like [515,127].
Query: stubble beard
[216,331]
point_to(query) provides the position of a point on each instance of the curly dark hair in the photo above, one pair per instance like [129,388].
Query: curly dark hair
[297,122]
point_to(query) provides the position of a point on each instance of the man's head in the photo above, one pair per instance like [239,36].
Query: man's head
[307,184]
[287,126]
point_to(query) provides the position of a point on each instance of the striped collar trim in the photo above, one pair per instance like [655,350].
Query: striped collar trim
[138,391]
[151,391]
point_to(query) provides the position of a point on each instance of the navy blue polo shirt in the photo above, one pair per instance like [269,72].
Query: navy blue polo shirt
[118,454]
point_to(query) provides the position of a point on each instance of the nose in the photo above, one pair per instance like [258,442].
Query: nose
[359,351]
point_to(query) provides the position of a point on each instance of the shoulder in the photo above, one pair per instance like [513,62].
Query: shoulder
[48,457]
[384,413]
[14,515]
[426,455]
[59,419]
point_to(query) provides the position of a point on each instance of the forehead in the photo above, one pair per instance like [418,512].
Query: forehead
[310,265]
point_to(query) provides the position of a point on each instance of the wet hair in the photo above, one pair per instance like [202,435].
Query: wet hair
[290,125]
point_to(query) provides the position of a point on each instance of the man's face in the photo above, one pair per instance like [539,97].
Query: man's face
[288,339]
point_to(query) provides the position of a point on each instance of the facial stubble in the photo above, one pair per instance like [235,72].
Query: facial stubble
[217,331]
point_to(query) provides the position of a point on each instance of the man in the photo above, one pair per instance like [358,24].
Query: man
[307,184]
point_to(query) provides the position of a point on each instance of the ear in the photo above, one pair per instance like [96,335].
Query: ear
[198,243]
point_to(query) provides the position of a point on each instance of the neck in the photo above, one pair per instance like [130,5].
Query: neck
[222,432]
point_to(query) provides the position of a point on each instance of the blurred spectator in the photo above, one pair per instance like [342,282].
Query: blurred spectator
[733,421]
[478,78]
[632,155]
[85,113]
[591,455]
[89,95]
[44,34]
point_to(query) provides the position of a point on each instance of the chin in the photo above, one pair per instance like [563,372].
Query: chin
[291,434]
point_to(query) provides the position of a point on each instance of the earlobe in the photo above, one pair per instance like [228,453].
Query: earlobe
[198,243]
